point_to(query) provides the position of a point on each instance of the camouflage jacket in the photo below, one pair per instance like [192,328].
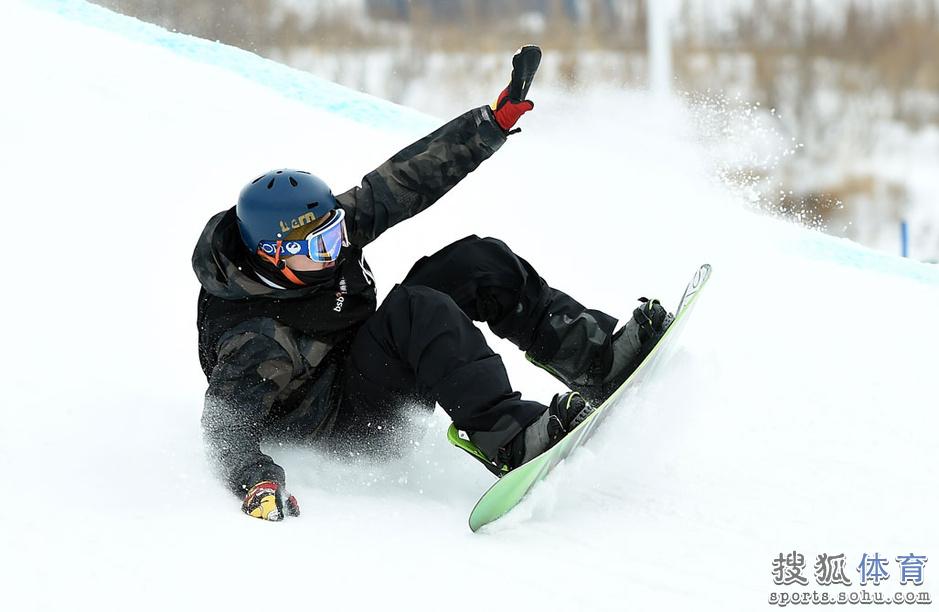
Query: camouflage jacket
[273,356]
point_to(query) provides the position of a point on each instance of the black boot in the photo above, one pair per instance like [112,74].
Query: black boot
[567,411]
[629,345]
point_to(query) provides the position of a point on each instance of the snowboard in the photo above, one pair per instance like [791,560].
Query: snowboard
[512,487]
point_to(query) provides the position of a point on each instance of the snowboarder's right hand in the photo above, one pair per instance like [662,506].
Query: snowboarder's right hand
[267,500]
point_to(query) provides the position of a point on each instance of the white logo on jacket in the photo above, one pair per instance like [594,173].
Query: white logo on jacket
[340,295]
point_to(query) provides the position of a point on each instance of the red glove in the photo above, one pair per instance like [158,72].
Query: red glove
[511,103]
[508,112]
[266,501]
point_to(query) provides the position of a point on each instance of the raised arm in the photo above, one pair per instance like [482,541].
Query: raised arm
[419,174]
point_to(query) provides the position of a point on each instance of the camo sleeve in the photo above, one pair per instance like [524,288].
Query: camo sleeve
[252,369]
[419,174]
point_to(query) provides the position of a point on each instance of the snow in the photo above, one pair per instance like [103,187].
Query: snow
[799,414]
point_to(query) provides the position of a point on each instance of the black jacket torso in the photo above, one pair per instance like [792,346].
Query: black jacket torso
[329,312]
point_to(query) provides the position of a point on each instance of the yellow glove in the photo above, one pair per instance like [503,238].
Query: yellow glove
[266,501]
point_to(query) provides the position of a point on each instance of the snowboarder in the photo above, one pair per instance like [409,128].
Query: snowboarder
[295,346]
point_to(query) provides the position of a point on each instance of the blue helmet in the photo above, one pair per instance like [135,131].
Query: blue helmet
[275,204]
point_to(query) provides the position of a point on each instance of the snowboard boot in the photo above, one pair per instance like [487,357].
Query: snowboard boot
[630,344]
[566,411]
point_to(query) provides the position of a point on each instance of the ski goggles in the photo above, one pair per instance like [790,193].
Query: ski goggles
[322,245]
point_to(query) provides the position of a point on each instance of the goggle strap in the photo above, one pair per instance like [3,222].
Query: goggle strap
[314,246]
[287,272]
[266,257]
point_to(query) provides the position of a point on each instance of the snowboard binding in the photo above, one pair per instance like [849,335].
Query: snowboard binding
[562,416]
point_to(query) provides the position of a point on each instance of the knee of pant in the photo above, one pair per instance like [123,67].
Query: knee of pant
[514,288]
[496,303]
[497,254]
[496,273]
[468,262]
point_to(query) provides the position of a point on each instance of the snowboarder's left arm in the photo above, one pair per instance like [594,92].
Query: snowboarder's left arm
[419,174]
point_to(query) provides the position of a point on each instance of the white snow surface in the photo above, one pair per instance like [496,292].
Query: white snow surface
[799,414]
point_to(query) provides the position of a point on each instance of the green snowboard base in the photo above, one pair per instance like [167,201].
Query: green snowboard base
[513,486]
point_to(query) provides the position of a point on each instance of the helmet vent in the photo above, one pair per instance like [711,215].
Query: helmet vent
[293,182]
[258,179]
[271,183]
[302,171]
[280,172]
[312,205]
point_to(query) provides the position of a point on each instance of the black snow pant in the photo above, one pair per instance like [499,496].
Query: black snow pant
[421,345]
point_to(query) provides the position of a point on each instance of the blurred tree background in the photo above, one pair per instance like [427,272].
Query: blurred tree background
[854,82]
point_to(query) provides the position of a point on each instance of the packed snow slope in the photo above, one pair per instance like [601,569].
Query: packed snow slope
[800,412]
